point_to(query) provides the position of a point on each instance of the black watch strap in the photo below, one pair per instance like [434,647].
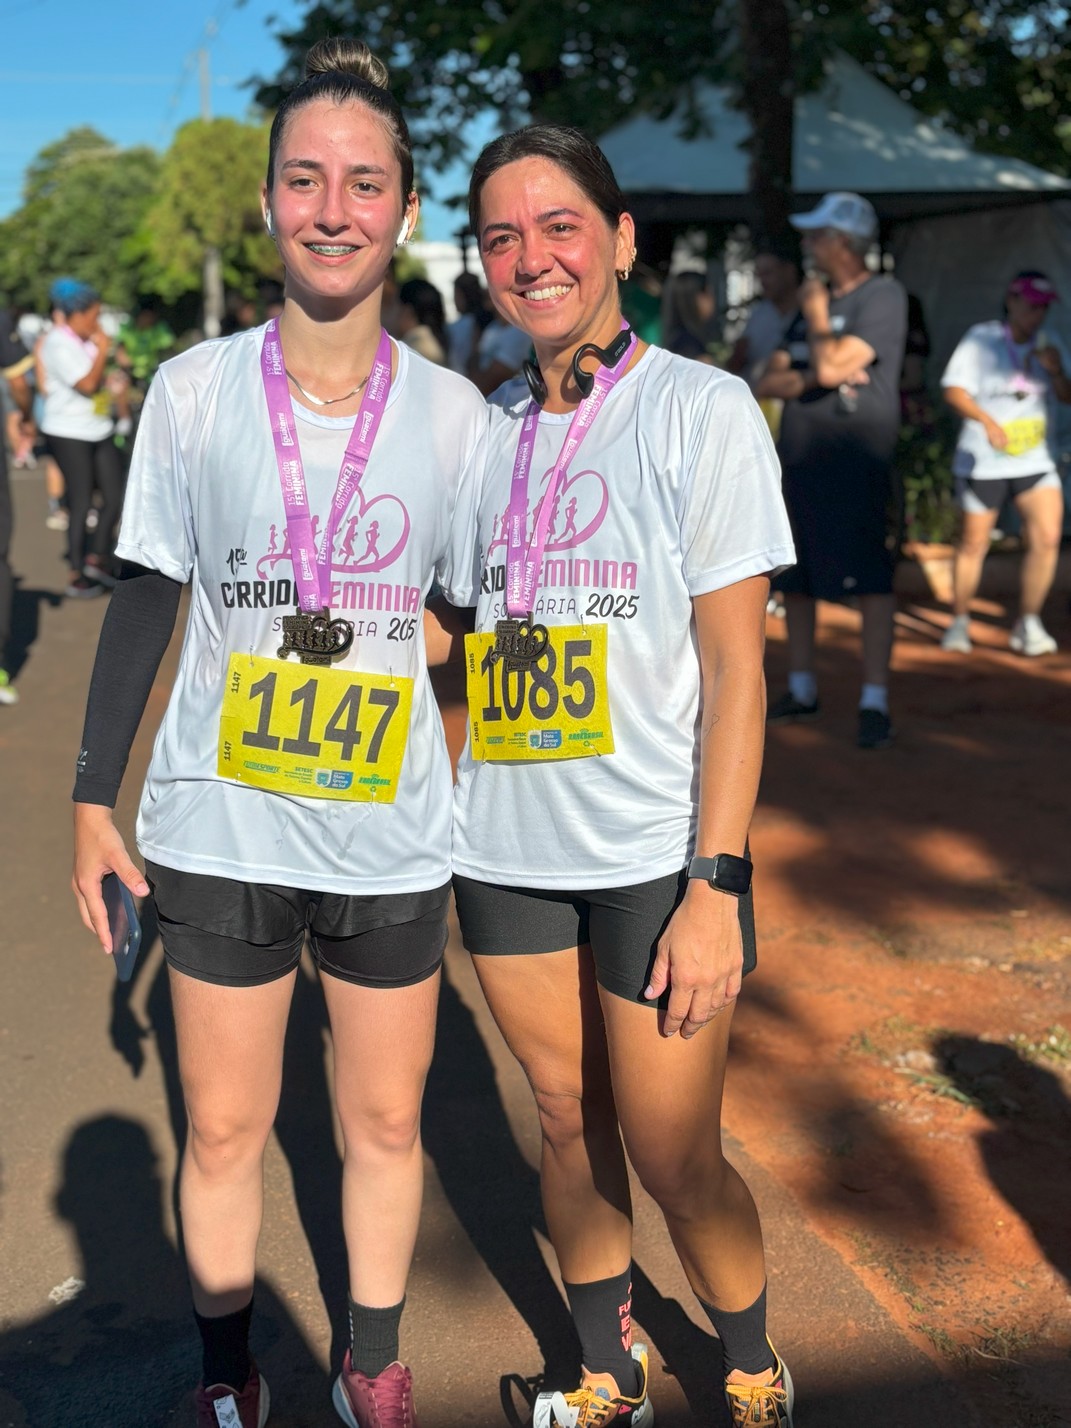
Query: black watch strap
[725,871]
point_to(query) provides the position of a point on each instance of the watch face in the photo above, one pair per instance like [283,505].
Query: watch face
[732,874]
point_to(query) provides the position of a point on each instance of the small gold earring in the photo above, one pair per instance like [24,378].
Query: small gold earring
[622,274]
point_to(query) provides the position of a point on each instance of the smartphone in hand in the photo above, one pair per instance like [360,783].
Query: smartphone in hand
[123,924]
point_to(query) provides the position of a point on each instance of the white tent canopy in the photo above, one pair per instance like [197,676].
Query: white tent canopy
[853,133]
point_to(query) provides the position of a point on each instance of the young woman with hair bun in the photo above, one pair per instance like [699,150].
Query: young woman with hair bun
[303,478]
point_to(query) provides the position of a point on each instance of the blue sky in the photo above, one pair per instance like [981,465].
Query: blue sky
[130,70]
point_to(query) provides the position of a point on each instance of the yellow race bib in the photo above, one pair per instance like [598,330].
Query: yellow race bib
[313,731]
[1023,433]
[559,709]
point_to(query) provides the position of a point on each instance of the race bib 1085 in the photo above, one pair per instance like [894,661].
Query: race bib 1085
[317,733]
[558,709]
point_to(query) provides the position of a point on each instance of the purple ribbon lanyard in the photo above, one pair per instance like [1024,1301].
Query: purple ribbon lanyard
[312,567]
[1020,382]
[524,559]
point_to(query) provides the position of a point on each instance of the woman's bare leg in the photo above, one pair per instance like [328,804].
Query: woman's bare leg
[230,1047]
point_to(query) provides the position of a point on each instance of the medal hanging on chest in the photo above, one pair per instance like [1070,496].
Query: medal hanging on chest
[311,633]
[315,639]
[1021,386]
[519,640]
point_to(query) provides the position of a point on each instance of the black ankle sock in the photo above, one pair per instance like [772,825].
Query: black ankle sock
[373,1337]
[225,1348]
[602,1313]
[743,1336]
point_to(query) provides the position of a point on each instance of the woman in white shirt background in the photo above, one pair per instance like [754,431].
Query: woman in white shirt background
[1005,380]
[77,421]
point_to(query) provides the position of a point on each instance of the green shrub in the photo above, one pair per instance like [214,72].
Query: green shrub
[924,470]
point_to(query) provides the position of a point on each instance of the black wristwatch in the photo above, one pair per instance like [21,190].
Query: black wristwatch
[724,871]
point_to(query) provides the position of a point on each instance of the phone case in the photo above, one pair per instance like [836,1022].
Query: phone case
[124,925]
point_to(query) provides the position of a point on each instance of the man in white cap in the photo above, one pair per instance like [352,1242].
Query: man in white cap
[838,436]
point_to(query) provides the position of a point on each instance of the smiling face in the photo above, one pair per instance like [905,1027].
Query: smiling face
[550,256]
[336,201]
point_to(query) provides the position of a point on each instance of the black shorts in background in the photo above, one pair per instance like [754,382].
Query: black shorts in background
[838,502]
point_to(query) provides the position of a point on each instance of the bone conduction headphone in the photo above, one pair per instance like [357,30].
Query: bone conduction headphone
[608,357]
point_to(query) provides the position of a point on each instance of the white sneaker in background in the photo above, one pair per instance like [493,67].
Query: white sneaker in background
[957,638]
[1030,637]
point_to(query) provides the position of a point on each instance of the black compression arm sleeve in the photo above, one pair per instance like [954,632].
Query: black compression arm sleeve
[139,623]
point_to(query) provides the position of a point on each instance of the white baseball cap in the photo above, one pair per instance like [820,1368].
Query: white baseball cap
[846,212]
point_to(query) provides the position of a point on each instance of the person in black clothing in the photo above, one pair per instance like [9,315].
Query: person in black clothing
[15,363]
[838,437]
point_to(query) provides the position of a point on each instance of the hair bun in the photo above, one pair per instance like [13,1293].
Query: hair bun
[341,54]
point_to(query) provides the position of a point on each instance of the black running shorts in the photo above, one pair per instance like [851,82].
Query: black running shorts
[245,934]
[978,494]
[621,925]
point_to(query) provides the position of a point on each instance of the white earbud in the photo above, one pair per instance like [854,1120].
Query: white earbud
[403,234]
[269,223]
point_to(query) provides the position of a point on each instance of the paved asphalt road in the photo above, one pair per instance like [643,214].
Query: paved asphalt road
[94,1325]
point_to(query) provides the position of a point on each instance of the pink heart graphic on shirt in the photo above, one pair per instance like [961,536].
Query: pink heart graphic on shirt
[373,538]
[581,505]
[580,509]
[367,540]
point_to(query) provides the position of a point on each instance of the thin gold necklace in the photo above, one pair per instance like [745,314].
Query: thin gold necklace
[323,401]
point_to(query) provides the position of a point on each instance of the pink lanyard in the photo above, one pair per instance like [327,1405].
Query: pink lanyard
[312,567]
[524,560]
[1021,381]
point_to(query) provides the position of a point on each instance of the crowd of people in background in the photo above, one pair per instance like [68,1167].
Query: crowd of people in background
[837,361]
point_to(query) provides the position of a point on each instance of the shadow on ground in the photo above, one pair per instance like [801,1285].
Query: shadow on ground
[118,1350]
[979,741]
[26,622]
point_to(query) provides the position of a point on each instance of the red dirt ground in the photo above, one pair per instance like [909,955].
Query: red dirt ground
[902,1060]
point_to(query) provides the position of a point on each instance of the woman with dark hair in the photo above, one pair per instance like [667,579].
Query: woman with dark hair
[474,315]
[1005,380]
[76,420]
[421,320]
[688,312]
[616,725]
[300,779]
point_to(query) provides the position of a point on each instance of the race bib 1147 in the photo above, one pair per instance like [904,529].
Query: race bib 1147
[558,709]
[314,732]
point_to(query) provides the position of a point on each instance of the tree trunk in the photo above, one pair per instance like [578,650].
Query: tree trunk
[768,92]
[213,292]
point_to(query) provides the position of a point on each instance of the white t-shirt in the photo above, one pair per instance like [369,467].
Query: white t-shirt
[203,504]
[677,493]
[499,342]
[984,366]
[67,412]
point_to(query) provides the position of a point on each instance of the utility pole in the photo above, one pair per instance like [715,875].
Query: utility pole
[213,268]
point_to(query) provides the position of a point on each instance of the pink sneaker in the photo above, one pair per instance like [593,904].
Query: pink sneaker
[220,1407]
[385,1401]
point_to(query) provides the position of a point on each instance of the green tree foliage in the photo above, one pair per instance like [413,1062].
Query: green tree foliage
[84,198]
[209,196]
[998,71]
[584,62]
